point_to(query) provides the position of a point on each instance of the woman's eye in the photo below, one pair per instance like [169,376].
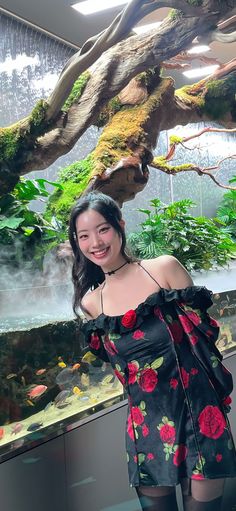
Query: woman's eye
[104,229]
[83,236]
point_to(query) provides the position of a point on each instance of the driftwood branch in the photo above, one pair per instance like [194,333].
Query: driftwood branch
[116,61]
[161,162]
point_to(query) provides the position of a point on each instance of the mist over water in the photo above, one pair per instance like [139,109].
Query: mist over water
[32,298]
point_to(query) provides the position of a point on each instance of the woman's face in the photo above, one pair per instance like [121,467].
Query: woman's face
[97,239]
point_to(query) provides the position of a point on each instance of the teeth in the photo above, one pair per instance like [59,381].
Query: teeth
[100,252]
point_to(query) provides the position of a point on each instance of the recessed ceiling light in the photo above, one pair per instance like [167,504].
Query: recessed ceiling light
[200,71]
[90,7]
[199,49]
[145,28]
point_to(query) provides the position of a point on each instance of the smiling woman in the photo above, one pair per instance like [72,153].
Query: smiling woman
[150,321]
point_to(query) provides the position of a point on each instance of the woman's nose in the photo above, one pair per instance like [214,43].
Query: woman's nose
[96,241]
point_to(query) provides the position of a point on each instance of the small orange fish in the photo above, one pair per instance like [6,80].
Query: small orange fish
[75,367]
[1,433]
[37,391]
[40,371]
[11,375]
[61,364]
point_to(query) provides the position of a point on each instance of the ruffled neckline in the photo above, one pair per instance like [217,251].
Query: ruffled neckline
[198,297]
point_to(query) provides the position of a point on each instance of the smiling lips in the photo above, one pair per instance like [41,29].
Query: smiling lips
[100,253]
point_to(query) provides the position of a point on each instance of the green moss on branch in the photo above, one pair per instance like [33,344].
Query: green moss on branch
[74,180]
[77,90]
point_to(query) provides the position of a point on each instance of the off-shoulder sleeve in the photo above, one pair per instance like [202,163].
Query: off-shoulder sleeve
[93,339]
[202,332]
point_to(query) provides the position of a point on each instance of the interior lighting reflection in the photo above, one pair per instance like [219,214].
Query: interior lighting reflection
[203,48]
[145,28]
[90,7]
[200,71]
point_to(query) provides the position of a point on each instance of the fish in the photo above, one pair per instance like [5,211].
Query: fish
[40,371]
[65,377]
[11,375]
[61,364]
[16,428]
[107,379]
[75,367]
[76,390]
[37,391]
[34,426]
[30,403]
[85,379]
[61,396]
[1,433]
[48,406]
[89,357]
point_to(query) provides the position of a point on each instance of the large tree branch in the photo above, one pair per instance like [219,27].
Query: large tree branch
[49,132]
[95,46]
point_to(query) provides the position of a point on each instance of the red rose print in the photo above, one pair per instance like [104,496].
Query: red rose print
[133,369]
[174,383]
[120,377]
[150,456]
[193,316]
[148,380]
[186,324]
[176,331]
[180,454]
[137,415]
[167,434]
[138,334]
[210,333]
[213,322]
[198,477]
[211,422]
[185,377]
[194,371]
[110,346]
[158,313]
[145,430]
[219,458]
[95,342]
[193,339]
[227,401]
[129,319]
[130,429]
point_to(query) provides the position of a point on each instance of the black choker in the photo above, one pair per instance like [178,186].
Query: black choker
[114,271]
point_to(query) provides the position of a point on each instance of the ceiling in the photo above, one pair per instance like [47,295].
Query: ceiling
[59,19]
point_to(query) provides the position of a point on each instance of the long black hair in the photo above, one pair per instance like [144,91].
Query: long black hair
[86,274]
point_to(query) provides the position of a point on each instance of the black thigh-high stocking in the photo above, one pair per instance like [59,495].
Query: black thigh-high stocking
[202,495]
[162,498]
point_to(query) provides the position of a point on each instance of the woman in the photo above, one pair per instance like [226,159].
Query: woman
[150,322]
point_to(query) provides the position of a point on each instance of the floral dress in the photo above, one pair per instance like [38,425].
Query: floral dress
[178,390]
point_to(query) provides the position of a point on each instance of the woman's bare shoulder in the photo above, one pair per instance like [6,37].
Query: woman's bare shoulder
[91,304]
[170,271]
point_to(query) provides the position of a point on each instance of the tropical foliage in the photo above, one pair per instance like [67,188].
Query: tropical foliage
[197,242]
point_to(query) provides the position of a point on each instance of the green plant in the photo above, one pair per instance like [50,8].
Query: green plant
[226,212]
[197,242]
[23,230]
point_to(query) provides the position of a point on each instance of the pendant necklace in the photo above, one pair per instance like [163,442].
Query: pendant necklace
[114,271]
